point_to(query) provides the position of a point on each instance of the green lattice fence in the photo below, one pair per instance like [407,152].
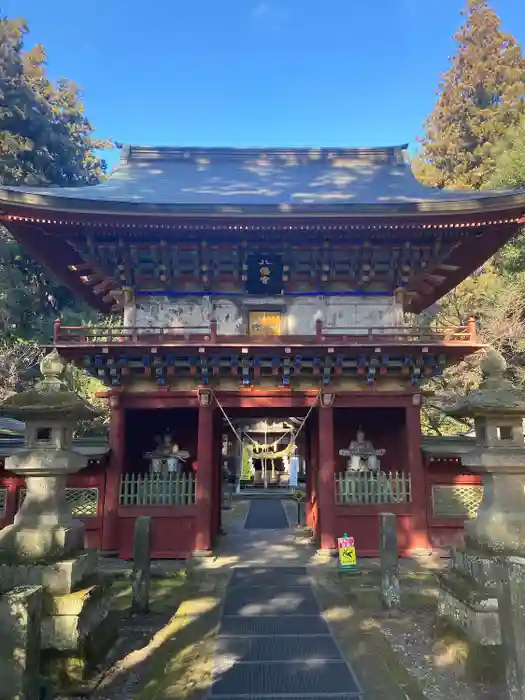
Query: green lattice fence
[83,501]
[367,488]
[170,489]
[456,501]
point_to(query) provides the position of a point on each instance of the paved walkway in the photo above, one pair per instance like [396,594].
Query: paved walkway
[269,622]
[262,536]
[266,515]
[273,641]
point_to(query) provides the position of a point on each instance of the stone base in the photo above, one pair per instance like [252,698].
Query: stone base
[58,578]
[469,608]
[202,553]
[477,565]
[71,671]
[43,543]
[20,617]
[326,554]
[68,620]
[497,533]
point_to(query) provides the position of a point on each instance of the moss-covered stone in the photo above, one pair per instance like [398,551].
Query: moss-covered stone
[465,589]
[480,662]
[72,672]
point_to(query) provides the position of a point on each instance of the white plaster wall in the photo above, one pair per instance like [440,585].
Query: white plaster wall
[299,313]
[188,312]
[342,313]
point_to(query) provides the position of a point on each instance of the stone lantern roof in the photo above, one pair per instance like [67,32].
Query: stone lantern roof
[496,394]
[50,399]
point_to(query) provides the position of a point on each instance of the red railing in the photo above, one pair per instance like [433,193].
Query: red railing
[201,335]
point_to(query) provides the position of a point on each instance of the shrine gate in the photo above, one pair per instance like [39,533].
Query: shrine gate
[268,284]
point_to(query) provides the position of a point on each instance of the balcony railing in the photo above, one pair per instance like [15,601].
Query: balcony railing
[205,335]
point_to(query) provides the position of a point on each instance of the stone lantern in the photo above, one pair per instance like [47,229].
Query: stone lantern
[45,544]
[44,528]
[468,592]
[498,410]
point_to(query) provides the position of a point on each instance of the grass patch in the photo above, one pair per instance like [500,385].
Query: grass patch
[174,658]
[165,594]
[363,644]
[181,667]
[418,590]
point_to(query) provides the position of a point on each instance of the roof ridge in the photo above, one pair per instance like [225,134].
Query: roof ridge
[136,152]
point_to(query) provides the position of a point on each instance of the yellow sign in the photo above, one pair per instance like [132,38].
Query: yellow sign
[265,323]
[347,555]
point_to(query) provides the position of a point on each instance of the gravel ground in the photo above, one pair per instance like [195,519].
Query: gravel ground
[438,673]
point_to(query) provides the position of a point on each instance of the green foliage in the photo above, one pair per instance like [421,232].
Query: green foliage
[45,139]
[44,136]
[474,138]
[480,98]
[498,304]
[30,298]
[18,365]
[510,159]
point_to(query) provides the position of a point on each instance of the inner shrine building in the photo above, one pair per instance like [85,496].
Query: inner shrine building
[266,317]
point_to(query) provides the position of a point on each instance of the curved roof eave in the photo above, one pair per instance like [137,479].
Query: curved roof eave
[45,203]
[259,182]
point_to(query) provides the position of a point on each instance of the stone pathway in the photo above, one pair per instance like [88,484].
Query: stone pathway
[273,641]
[276,626]
[266,514]
[260,534]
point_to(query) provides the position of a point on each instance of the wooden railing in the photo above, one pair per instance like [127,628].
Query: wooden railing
[367,488]
[172,489]
[202,335]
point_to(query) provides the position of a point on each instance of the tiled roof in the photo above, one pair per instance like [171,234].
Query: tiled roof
[283,180]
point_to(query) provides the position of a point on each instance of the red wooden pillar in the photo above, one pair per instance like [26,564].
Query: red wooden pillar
[114,471]
[217,475]
[418,536]
[312,475]
[205,475]
[326,486]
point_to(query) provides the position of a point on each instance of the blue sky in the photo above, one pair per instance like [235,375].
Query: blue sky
[254,72]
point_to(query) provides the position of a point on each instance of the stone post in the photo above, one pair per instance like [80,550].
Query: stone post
[20,623]
[511,603]
[389,561]
[141,565]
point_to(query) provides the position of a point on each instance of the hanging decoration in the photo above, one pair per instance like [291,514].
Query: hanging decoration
[259,451]
[246,465]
